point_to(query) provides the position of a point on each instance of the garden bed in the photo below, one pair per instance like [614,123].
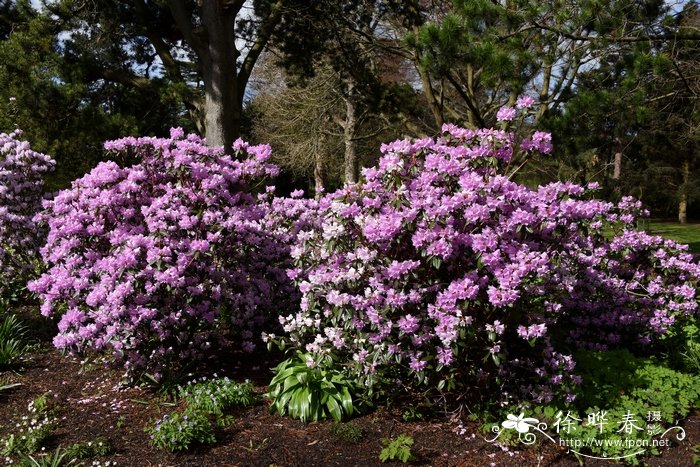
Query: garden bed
[92,405]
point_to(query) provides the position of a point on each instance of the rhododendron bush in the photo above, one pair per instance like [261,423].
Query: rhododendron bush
[438,269]
[22,173]
[160,262]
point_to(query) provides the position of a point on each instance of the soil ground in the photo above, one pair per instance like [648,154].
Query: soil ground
[93,404]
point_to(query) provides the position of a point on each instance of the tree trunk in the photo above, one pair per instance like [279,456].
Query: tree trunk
[617,166]
[319,173]
[683,194]
[352,161]
[320,164]
[222,112]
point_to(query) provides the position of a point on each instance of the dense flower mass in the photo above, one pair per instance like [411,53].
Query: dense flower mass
[22,173]
[437,267]
[159,262]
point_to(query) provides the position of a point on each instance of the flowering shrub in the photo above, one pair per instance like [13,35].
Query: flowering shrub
[437,268]
[22,173]
[161,261]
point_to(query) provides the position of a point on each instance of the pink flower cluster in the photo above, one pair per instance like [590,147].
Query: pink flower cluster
[160,262]
[22,173]
[438,267]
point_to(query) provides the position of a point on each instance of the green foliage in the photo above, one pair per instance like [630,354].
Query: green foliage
[71,455]
[214,396]
[623,406]
[397,449]
[97,447]
[414,413]
[311,391]
[205,403]
[12,341]
[691,356]
[346,432]
[55,89]
[178,431]
[57,458]
[34,428]
[615,377]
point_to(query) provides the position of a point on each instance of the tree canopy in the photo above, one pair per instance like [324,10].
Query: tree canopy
[615,80]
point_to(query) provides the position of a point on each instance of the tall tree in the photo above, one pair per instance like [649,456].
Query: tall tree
[672,131]
[633,121]
[482,54]
[205,51]
[61,110]
[306,122]
[357,41]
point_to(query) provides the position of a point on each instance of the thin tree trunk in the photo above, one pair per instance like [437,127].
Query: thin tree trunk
[617,166]
[352,161]
[683,195]
[320,166]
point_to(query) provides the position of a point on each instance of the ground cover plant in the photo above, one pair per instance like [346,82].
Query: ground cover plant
[13,340]
[206,402]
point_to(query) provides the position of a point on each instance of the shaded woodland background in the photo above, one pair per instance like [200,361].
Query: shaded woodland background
[326,82]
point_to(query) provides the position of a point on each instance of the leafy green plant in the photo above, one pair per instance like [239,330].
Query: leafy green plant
[178,431]
[205,401]
[397,449]
[346,432]
[414,414]
[613,376]
[97,447]
[69,456]
[311,391]
[33,429]
[12,341]
[691,357]
[57,458]
[623,406]
[213,396]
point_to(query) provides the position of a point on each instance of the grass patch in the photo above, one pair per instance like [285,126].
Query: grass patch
[688,234]
[682,233]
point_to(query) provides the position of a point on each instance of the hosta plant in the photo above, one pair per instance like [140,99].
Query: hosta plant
[312,390]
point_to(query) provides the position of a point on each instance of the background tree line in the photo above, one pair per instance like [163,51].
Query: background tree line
[326,82]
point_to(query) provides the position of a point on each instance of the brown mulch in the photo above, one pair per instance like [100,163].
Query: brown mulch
[93,404]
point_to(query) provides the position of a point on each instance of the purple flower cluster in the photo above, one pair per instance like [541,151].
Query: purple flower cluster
[160,262]
[22,173]
[438,264]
